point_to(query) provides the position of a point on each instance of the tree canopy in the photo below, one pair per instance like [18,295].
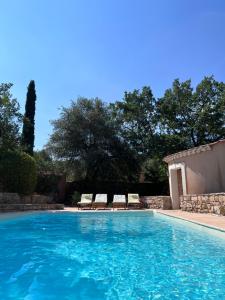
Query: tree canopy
[121,141]
[86,137]
[194,117]
[136,116]
[128,139]
[10,118]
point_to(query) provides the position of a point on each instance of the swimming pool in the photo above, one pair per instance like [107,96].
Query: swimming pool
[106,255]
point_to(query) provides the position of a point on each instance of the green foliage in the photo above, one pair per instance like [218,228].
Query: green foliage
[47,184]
[116,142]
[17,172]
[155,170]
[95,141]
[76,198]
[44,161]
[136,115]
[46,164]
[29,122]
[86,137]
[49,171]
[194,117]
[10,118]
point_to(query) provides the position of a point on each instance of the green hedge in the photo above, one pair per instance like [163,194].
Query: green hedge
[18,172]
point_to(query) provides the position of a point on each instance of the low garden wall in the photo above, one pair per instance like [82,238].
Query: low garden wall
[204,203]
[157,202]
[15,202]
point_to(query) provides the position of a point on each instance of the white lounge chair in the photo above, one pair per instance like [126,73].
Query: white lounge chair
[134,201]
[85,201]
[100,201]
[119,201]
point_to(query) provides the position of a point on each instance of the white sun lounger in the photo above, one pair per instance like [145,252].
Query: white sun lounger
[119,201]
[100,201]
[85,201]
[134,201]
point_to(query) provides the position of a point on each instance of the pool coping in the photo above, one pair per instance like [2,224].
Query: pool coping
[210,226]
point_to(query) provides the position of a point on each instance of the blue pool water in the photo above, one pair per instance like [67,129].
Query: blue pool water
[134,255]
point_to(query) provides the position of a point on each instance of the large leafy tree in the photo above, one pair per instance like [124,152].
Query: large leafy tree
[29,122]
[85,136]
[193,117]
[132,135]
[10,118]
[209,111]
[136,116]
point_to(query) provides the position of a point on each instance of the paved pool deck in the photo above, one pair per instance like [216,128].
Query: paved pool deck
[208,220]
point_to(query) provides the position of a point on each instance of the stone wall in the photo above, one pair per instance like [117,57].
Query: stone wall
[15,202]
[157,202]
[204,203]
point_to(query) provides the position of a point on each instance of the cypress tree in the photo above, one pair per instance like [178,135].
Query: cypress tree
[28,121]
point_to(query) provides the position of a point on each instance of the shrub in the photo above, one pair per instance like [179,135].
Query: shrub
[17,172]
[75,198]
[47,184]
[155,170]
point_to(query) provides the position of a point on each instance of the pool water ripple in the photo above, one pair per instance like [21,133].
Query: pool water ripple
[127,255]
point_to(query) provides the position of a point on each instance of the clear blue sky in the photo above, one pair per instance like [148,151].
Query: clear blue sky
[101,48]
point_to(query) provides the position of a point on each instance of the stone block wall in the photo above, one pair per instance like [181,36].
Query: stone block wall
[157,202]
[15,202]
[204,203]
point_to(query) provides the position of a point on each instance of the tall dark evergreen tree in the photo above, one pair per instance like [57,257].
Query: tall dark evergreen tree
[29,122]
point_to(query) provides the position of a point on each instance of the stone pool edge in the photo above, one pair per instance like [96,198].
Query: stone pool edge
[190,221]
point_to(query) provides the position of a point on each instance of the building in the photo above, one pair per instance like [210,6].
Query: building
[200,170]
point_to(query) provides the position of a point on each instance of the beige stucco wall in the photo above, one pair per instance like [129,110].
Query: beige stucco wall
[205,172]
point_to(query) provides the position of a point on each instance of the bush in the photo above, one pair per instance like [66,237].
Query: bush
[47,184]
[155,170]
[17,172]
[75,198]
